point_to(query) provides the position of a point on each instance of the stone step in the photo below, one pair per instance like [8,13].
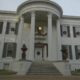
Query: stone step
[43,68]
[54,74]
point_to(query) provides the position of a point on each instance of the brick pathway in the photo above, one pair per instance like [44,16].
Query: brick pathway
[39,77]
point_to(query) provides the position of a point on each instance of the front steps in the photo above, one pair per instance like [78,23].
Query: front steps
[43,67]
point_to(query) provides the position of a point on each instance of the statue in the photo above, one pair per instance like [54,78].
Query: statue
[24,49]
[64,53]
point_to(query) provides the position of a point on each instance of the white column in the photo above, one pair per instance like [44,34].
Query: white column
[32,36]
[49,36]
[19,39]
[4,28]
[73,52]
[59,53]
[71,32]
[3,39]
[72,38]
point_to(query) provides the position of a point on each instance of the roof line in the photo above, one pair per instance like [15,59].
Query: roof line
[8,12]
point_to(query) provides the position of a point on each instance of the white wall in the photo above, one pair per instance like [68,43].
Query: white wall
[71,40]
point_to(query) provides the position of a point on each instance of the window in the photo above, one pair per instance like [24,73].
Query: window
[77,51]
[76,31]
[69,51]
[9,50]
[12,28]
[65,30]
[1,27]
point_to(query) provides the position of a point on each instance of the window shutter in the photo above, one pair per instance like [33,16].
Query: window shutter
[70,52]
[68,30]
[1,27]
[4,50]
[76,52]
[61,30]
[74,32]
[7,28]
[16,29]
[14,50]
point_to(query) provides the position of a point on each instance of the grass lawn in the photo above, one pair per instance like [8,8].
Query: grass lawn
[76,72]
[6,72]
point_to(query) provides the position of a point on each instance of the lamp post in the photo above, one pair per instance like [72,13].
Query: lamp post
[24,49]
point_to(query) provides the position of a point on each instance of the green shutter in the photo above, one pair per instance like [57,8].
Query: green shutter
[4,50]
[1,27]
[76,52]
[74,32]
[16,29]
[68,30]
[61,30]
[70,52]
[14,50]
[8,27]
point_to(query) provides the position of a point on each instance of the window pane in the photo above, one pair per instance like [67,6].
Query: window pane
[76,30]
[68,51]
[9,50]
[65,30]
[77,51]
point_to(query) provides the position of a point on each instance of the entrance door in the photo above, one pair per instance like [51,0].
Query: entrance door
[38,54]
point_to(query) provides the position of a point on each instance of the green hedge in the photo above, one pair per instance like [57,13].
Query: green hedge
[6,72]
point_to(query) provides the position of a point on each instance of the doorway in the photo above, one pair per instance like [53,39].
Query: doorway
[38,54]
[41,51]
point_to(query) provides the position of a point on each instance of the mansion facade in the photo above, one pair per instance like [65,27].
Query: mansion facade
[41,26]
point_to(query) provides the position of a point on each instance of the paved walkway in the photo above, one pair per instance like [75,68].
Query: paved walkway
[39,77]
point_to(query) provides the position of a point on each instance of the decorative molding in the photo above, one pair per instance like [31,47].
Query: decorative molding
[64,32]
[53,4]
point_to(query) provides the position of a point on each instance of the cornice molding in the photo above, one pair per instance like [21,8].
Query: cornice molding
[42,1]
[8,12]
[71,17]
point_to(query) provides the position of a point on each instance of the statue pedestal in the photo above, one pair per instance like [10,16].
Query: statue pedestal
[22,66]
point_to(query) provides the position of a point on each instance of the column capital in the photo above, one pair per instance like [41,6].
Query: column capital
[50,14]
[32,13]
[21,18]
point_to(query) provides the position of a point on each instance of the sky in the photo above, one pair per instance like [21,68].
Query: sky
[70,7]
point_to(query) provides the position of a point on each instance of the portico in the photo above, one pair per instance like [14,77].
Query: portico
[40,17]
[43,42]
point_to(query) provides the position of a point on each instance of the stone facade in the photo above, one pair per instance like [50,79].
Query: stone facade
[42,27]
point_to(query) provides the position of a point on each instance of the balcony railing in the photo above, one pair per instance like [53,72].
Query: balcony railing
[41,36]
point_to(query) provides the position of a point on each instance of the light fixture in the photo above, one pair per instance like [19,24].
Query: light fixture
[39,28]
